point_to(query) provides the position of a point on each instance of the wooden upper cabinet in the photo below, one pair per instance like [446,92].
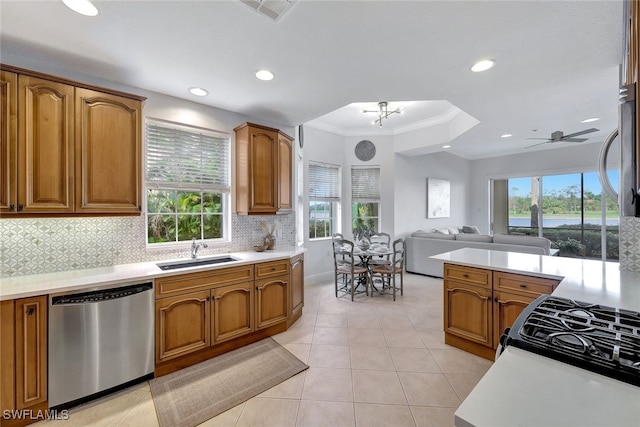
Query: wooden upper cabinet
[45,146]
[8,141]
[263,170]
[285,158]
[108,152]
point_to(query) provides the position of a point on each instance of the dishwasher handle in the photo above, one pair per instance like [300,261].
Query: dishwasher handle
[101,295]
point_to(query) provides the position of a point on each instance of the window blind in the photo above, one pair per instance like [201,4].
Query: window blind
[324,182]
[185,157]
[365,184]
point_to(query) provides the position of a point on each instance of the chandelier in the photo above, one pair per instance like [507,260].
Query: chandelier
[383,112]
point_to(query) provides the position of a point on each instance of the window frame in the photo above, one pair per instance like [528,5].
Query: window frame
[331,195]
[367,194]
[222,190]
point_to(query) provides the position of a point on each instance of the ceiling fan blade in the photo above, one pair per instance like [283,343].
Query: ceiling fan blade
[575,139]
[535,145]
[546,139]
[582,132]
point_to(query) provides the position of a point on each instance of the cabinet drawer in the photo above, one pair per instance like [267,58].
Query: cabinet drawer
[467,275]
[523,285]
[183,283]
[273,268]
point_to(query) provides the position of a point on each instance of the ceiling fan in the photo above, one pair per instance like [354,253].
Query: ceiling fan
[558,136]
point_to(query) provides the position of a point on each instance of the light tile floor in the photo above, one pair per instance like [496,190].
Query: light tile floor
[373,362]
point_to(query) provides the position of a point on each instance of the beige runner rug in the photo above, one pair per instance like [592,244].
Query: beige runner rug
[198,393]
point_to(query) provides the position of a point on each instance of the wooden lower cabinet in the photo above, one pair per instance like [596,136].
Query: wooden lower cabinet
[182,325]
[272,296]
[506,308]
[296,294]
[23,357]
[479,304]
[467,313]
[233,311]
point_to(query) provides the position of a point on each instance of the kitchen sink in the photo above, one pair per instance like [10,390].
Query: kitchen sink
[172,265]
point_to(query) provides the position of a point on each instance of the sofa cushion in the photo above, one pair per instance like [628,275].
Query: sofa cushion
[483,238]
[470,229]
[433,235]
[541,242]
[442,230]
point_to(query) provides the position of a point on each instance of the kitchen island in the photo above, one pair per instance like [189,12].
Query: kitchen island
[526,389]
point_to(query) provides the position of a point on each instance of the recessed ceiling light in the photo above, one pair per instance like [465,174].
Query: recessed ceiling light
[592,119]
[83,7]
[506,135]
[198,91]
[483,65]
[265,75]
[446,146]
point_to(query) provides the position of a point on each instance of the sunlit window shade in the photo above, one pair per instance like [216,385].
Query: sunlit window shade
[365,184]
[324,180]
[182,157]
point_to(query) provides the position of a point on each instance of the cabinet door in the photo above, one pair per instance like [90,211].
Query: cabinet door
[506,308]
[285,156]
[182,325]
[31,351]
[233,311]
[8,141]
[272,301]
[108,151]
[264,171]
[297,288]
[45,146]
[467,312]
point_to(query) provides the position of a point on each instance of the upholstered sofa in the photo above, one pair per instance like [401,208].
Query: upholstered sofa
[422,244]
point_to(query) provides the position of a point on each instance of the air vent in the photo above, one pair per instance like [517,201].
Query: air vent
[272,9]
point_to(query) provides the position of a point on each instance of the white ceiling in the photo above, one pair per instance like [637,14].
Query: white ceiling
[557,62]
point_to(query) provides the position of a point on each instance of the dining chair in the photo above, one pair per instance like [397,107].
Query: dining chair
[380,238]
[388,273]
[348,275]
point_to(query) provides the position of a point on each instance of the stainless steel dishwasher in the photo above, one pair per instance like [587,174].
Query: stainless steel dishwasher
[99,340]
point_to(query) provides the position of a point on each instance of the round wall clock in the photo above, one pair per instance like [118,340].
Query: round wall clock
[365,150]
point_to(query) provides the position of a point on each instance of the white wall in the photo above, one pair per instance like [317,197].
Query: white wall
[575,158]
[411,191]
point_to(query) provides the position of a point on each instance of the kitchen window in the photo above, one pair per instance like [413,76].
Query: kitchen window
[365,198]
[324,199]
[187,183]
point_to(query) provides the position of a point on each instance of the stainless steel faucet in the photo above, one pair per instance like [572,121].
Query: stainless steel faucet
[195,246]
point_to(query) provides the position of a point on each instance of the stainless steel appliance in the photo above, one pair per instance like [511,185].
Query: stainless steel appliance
[628,198]
[601,339]
[99,340]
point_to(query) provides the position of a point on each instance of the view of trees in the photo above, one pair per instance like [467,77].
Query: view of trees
[182,215]
[571,214]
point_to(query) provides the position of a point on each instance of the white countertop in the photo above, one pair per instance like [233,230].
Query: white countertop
[102,277]
[528,390]
[583,280]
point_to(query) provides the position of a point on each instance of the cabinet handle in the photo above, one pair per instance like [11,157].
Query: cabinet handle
[12,207]
[20,207]
[523,286]
[273,269]
[31,311]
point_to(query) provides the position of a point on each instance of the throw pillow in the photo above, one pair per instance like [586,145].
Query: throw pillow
[441,230]
[453,230]
[471,229]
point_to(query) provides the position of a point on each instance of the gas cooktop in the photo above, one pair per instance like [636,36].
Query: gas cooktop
[601,339]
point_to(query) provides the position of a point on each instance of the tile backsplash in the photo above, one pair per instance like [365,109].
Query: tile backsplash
[44,245]
[630,244]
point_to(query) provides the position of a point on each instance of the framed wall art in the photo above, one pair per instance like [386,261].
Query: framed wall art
[438,198]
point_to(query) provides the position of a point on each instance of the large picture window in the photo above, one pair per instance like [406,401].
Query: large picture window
[324,199]
[365,198]
[568,210]
[187,183]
